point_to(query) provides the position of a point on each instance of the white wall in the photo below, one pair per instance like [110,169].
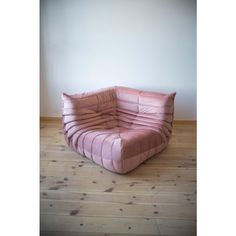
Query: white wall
[143,44]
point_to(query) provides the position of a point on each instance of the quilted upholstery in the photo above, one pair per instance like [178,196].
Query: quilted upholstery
[118,127]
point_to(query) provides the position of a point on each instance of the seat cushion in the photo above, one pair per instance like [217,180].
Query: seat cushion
[117,149]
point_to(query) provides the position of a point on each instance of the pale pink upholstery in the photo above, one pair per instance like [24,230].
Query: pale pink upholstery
[118,127]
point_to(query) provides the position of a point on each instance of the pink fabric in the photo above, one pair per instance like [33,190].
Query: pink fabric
[118,127]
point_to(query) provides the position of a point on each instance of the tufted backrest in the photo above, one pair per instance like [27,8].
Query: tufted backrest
[118,107]
[141,109]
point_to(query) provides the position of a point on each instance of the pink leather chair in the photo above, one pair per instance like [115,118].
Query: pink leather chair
[117,127]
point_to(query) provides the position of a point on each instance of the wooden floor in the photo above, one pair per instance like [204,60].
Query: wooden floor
[80,198]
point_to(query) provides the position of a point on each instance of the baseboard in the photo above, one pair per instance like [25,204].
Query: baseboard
[176,122]
[47,118]
[185,122]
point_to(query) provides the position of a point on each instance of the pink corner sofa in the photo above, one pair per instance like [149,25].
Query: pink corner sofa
[118,128]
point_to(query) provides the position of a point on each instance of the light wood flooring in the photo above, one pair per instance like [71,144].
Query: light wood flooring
[78,197]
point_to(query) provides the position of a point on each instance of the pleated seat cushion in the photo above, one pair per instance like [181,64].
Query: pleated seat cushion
[118,128]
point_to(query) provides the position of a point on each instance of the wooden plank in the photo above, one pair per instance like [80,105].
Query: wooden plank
[121,225]
[66,233]
[125,198]
[111,225]
[125,188]
[141,170]
[125,210]
[177,227]
[76,173]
